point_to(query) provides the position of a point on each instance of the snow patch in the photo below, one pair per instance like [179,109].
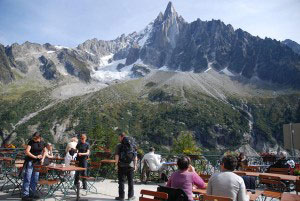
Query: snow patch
[207,70]
[227,72]
[50,52]
[61,47]
[145,34]
[110,72]
[164,68]
[89,52]
[104,60]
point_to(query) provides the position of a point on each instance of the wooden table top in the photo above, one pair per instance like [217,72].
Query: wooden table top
[65,168]
[282,176]
[290,197]
[108,161]
[57,159]
[252,196]
[6,159]
[170,163]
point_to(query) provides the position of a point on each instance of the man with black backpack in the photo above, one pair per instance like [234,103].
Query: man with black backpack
[126,160]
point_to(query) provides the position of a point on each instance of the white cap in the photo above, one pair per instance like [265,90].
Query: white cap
[282,154]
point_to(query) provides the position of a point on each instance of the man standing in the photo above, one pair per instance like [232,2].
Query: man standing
[227,183]
[83,152]
[126,160]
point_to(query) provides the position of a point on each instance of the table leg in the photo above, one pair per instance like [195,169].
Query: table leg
[77,192]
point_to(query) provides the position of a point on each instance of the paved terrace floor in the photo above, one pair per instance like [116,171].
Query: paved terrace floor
[107,191]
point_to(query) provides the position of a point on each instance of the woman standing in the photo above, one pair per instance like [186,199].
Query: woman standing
[83,152]
[34,152]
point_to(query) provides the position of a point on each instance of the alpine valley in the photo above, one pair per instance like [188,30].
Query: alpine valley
[227,87]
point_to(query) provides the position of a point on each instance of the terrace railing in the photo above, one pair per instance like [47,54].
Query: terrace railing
[204,163]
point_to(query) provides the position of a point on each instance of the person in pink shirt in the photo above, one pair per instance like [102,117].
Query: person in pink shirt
[184,179]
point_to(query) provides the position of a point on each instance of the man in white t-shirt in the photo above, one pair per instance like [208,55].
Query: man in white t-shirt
[227,183]
[153,160]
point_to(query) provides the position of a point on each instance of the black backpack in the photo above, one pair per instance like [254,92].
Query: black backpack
[127,150]
[174,194]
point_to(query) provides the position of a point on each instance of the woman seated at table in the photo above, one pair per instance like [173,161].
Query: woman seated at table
[34,152]
[242,162]
[48,154]
[184,179]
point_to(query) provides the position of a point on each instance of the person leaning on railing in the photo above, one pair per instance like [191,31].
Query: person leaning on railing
[34,152]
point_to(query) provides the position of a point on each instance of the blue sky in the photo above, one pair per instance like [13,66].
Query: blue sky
[71,22]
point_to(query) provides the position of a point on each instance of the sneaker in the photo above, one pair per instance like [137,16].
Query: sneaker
[27,198]
[118,198]
[131,198]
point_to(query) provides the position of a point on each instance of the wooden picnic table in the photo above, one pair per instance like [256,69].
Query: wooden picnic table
[62,168]
[253,196]
[108,161]
[290,197]
[6,159]
[282,176]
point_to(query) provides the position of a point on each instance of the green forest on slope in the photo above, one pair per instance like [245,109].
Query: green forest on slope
[155,117]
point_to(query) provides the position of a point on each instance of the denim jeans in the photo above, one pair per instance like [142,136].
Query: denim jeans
[84,164]
[30,180]
[122,173]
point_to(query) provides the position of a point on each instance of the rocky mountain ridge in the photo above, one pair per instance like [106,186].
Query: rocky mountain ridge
[169,42]
[293,45]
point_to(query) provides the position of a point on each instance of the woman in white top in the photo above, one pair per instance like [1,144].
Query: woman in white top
[72,144]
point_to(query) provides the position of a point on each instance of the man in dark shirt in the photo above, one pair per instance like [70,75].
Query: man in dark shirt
[281,163]
[125,169]
[83,152]
[34,151]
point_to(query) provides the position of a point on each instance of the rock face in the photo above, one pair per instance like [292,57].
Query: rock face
[293,45]
[73,65]
[163,37]
[6,74]
[170,42]
[140,70]
[48,69]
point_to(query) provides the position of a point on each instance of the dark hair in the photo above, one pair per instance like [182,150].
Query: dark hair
[126,141]
[183,163]
[230,162]
[151,149]
[36,134]
[122,134]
